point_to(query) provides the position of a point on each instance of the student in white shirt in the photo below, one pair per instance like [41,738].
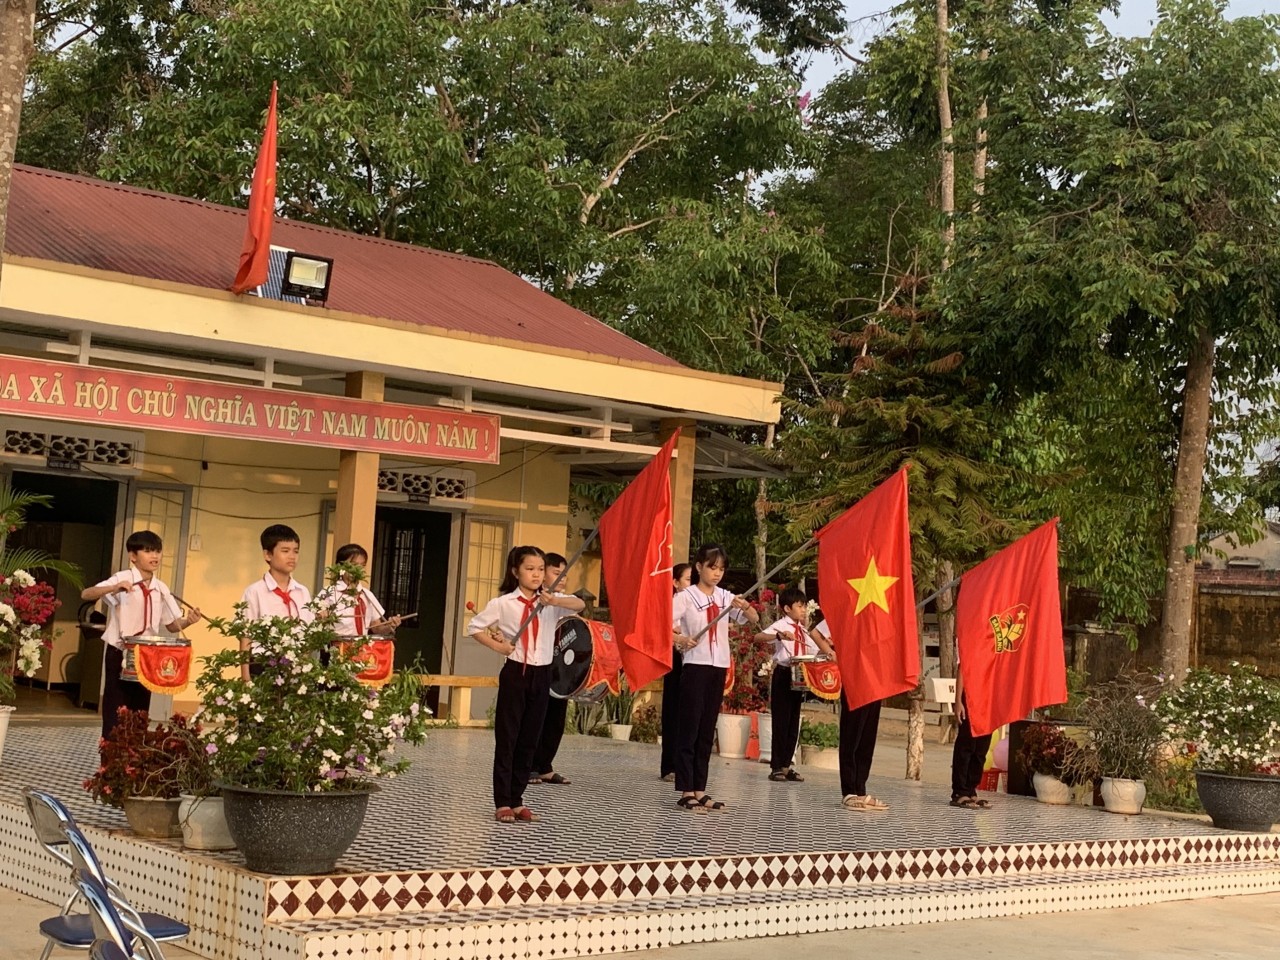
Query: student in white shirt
[358,611]
[138,604]
[276,594]
[703,670]
[681,578]
[525,681]
[790,636]
[858,731]
[544,755]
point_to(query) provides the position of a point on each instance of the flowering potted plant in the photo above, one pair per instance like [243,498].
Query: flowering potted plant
[1231,724]
[1045,751]
[297,748]
[745,689]
[1124,737]
[142,769]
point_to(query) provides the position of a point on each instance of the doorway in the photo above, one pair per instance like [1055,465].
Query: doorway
[411,573]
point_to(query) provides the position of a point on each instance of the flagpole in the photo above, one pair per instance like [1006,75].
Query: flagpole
[563,573]
[939,592]
[758,584]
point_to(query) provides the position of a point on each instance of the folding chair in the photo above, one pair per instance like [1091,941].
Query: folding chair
[106,950]
[58,833]
[111,932]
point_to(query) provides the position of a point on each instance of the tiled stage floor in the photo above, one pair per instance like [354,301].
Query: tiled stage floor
[615,866]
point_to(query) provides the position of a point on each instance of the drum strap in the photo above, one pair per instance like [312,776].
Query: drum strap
[713,614]
[799,640]
[532,627]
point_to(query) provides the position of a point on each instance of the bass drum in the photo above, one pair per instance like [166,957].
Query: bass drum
[586,662]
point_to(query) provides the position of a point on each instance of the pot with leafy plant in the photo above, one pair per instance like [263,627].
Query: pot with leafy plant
[820,745]
[1231,723]
[141,771]
[1044,751]
[1124,739]
[618,707]
[297,749]
[201,813]
[646,724]
[746,692]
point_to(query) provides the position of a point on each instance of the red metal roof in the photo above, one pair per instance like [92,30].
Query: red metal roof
[123,229]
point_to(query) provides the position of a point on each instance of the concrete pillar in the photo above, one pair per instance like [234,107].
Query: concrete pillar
[358,475]
[681,484]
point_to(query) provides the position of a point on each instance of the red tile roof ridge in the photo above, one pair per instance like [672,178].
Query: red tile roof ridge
[118,187]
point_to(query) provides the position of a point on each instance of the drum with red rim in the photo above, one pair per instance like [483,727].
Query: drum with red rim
[161,664]
[817,675]
[586,661]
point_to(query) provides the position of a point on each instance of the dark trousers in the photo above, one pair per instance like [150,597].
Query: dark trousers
[784,704]
[517,722]
[671,714]
[544,755]
[117,693]
[701,690]
[858,730]
[967,760]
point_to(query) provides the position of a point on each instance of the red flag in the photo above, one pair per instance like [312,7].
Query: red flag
[1009,631]
[256,252]
[868,596]
[635,546]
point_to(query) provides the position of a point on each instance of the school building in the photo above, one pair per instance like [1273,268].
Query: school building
[435,408]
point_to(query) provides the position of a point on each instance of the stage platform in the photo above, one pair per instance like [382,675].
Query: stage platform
[614,866]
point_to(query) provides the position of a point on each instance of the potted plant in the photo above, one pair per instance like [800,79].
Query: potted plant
[646,723]
[745,694]
[1124,738]
[1043,752]
[618,707]
[201,814]
[141,771]
[297,749]
[1231,723]
[820,745]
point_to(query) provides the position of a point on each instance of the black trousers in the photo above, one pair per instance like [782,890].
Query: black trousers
[544,755]
[517,723]
[858,730]
[967,760]
[117,693]
[701,691]
[784,704]
[671,714]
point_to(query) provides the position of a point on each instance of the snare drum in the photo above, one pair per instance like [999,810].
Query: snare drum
[161,664]
[798,679]
[586,662]
[819,676]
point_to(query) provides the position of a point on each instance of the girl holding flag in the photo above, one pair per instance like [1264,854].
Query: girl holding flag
[525,619]
[704,644]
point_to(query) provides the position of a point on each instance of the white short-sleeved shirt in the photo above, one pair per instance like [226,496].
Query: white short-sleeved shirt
[264,602]
[784,632]
[824,629]
[689,615]
[147,609]
[508,612]
[344,606]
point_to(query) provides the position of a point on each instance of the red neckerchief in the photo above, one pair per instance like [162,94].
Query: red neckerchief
[289,605]
[360,612]
[146,608]
[713,614]
[532,627]
[799,641]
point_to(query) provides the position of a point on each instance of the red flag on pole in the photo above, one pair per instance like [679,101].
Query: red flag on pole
[256,252]
[1009,632]
[635,546]
[868,595]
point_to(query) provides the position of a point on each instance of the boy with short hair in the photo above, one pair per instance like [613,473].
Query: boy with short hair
[544,755]
[138,604]
[790,637]
[276,594]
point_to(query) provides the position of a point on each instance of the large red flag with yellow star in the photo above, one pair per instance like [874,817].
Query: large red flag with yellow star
[1009,632]
[868,596]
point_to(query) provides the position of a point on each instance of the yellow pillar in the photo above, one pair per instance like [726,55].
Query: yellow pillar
[681,484]
[358,475]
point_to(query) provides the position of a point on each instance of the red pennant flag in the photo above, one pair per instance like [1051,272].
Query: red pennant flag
[256,252]
[635,546]
[868,595]
[1009,632]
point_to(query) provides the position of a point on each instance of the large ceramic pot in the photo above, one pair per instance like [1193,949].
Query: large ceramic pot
[153,817]
[290,834]
[733,731]
[6,712]
[820,758]
[1049,789]
[1123,796]
[620,731]
[204,824]
[764,729]
[1249,803]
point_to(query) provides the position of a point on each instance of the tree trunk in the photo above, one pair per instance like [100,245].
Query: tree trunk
[915,716]
[17,26]
[1184,521]
[762,514]
[948,155]
[946,622]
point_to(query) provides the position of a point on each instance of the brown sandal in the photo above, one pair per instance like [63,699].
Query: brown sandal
[504,815]
[524,815]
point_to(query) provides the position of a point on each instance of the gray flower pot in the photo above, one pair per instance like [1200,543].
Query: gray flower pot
[293,834]
[1250,803]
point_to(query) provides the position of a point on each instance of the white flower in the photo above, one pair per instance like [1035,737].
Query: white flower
[302,690]
[368,714]
[7,614]
[232,737]
[324,768]
[245,698]
[22,578]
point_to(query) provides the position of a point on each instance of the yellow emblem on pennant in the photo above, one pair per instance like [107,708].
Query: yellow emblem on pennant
[1009,628]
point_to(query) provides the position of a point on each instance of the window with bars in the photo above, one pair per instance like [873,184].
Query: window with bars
[487,547]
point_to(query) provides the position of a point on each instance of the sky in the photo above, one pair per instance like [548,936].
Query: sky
[1135,19]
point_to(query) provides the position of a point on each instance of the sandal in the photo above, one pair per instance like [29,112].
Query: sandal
[554,778]
[794,777]
[706,803]
[504,815]
[689,803]
[778,776]
[524,815]
[854,802]
[970,803]
[874,803]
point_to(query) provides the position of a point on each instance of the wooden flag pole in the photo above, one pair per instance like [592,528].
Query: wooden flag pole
[808,544]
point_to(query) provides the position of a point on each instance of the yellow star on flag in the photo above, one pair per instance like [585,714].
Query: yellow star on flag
[871,588]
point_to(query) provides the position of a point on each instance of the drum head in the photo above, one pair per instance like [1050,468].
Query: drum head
[572,660]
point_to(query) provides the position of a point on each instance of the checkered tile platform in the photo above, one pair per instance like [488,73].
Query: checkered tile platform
[613,864]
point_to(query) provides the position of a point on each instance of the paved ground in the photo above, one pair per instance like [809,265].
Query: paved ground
[1231,928]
